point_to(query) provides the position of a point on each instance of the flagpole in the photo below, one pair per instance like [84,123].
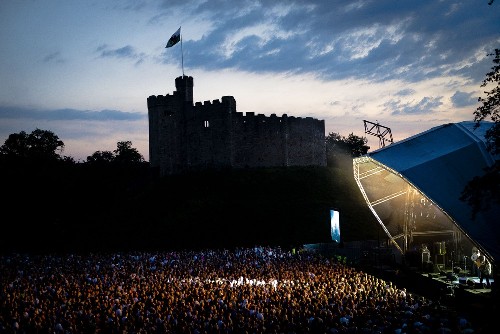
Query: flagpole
[182,58]
[174,39]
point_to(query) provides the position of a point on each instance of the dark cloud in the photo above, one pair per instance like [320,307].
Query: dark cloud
[379,40]
[68,114]
[405,92]
[54,57]
[126,52]
[462,99]
[426,105]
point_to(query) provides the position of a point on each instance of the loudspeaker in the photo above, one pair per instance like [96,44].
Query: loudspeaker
[440,248]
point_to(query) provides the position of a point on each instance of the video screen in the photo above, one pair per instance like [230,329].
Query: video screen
[335,225]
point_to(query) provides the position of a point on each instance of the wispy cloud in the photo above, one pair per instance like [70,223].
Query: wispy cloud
[68,114]
[405,92]
[375,40]
[54,57]
[426,105]
[125,52]
[463,99]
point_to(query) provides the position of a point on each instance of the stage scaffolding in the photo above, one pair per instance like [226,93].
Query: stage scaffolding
[412,221]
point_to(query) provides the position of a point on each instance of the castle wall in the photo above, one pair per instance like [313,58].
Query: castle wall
[213,134]
[306,141]
[259,141]
[208,127]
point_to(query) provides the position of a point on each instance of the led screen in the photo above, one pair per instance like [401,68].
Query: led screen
[334,225]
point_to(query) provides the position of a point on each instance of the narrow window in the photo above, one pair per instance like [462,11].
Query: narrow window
[206,124]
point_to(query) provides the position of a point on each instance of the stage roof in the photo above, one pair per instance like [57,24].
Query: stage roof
[440,162]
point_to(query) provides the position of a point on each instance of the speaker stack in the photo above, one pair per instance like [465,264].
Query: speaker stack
[440,248]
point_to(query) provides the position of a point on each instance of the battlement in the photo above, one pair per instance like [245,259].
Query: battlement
[227,104]
[213,134]
[155,100]
[273,118]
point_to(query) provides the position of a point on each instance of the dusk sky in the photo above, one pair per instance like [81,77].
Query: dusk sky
[84,69]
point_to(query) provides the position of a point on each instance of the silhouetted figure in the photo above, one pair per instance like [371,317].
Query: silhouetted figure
[484,270]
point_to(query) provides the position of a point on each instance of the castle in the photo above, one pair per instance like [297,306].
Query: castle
[211,135]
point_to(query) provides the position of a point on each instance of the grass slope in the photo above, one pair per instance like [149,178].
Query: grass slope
[127,210]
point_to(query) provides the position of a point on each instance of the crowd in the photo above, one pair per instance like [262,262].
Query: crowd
[251,290]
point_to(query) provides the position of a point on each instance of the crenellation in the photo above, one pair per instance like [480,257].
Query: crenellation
[213,134]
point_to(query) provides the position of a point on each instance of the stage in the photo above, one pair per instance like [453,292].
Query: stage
[463,281]
[443,284]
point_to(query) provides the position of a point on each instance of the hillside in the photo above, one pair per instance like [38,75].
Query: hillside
[121,209]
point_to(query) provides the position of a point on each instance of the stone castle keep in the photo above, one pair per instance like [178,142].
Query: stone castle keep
[211,135]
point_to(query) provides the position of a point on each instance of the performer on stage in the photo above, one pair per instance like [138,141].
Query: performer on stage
[484,270]
[475,261]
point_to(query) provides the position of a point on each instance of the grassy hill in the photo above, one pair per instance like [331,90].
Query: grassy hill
[126,210]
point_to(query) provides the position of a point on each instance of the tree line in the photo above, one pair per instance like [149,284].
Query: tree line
[45,146]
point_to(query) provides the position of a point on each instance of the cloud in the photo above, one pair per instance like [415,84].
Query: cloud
[335,40]
[426,105]
[125,52]
[68,114]
[405,92]
[54,57]
[463,99]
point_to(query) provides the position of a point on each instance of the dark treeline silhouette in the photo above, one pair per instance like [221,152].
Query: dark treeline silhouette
[115,201]
[483,191]
[340,149]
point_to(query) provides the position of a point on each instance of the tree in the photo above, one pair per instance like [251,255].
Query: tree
[38,145]
[490,107]
[352,144]
[101,157]
[126,154]
[484,191]
[339,148]
[44,144]
[357,145]
[16,145]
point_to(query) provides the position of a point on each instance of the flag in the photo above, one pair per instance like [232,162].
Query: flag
[176,37]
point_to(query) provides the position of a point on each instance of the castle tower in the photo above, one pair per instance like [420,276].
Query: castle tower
[184,86]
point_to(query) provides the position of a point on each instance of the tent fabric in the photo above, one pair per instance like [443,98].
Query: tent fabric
[440,162]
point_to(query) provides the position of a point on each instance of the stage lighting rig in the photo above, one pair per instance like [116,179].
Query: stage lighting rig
[383,133]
